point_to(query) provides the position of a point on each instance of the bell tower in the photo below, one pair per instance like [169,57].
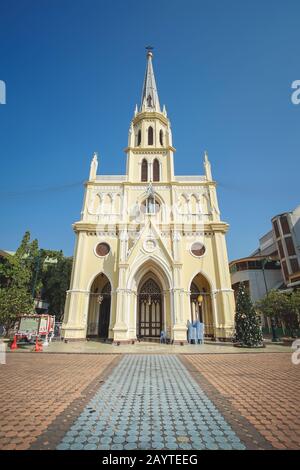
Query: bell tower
[150,150]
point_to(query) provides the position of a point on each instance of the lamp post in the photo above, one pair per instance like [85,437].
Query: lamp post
[263,264]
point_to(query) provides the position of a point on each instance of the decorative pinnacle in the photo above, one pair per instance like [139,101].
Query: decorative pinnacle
[149,50]
[150,100]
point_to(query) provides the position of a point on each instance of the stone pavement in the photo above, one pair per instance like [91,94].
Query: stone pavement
[159,401]
[97,347]
[36,388]
[150,402]
[264,390]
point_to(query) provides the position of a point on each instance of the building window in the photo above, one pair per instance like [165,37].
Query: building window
[156,170]
[139,137]
[294,265]
[150,206]
[233,269]
[290,246]
[102,249]
[275,225]
[242,266]
[280,247]
[150,135]
[161,137]
[144,175]
[285,225]
[253,264]
[198,249]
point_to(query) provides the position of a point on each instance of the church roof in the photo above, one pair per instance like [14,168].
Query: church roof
[150,100]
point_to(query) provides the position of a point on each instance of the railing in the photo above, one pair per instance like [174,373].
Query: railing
[191,178]
[208,330]
[111,178]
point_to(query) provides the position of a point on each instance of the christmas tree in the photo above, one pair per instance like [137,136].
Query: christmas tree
[247,324]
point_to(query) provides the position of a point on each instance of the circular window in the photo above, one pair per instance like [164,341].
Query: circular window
[102,249]
[198,249]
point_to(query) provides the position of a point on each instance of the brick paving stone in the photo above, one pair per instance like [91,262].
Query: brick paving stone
[35,388]
[263,388]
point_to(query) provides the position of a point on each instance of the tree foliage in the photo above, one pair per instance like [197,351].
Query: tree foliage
[247,324]
[283,305]
[25,276]
[13,301]
[15,281]
[56,281]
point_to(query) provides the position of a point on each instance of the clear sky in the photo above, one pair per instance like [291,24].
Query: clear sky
[74,71]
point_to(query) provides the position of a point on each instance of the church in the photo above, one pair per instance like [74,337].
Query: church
[150,252]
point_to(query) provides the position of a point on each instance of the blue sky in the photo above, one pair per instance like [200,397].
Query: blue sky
[74,71]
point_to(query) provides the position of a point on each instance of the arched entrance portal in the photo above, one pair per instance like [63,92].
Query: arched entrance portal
[201,304]
[149,308]
[99,307]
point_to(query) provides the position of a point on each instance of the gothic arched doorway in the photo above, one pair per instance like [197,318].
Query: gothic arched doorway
[99,307]
[149,309]
[201,304]
[104,300]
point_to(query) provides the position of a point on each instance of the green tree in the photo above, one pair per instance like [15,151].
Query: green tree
[33,259]
[247,324]
[15,280]
[26,275]
[56,281]
[272,304]
[14,269]
[295,301]
[14,301]
[284,306]
[289,312]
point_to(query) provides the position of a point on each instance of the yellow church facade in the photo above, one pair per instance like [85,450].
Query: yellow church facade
[150,252]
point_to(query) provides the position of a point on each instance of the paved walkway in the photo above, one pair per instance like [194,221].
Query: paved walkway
[150,402]
[160,401]
[264,391]
[38,389]
[97,347]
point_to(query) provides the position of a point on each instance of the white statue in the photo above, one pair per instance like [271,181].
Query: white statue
[94,167]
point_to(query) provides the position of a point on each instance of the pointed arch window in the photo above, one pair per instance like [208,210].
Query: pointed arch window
[161,137]
[150,135]
[156,170]
[144,172]
[139,137]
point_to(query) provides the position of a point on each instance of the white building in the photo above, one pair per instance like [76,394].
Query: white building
[260,271]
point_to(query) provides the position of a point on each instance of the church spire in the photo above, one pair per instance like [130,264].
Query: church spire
[150,100]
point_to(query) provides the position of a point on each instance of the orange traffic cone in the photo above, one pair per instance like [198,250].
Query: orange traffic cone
[38,346]
[14,343]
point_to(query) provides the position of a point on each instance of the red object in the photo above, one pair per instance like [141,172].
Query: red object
[14,345]
[38,346]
